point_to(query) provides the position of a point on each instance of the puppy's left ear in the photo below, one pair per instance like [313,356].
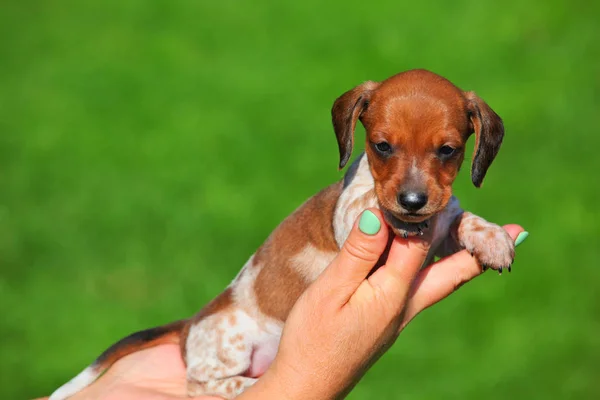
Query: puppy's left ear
[489,131]
[346,110]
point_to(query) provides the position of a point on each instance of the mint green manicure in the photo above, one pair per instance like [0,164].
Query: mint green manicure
[521,238]
[369,223]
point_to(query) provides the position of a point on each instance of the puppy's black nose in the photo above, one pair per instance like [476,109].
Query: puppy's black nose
[412,201]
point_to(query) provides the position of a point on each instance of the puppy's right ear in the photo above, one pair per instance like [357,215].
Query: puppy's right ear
[346,110]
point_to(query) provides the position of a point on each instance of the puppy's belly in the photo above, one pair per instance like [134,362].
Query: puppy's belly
[262,357]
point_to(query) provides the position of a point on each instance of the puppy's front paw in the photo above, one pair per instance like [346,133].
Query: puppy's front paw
[489,243]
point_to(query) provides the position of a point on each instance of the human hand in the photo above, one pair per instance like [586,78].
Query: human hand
[153,374]
[340,326]
[346,319]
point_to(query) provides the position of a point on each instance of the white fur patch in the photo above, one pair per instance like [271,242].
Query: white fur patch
[310,261]
[220,347]
[344,217]
[76,384]
[234,341]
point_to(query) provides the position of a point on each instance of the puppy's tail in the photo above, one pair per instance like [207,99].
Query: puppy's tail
[141,340]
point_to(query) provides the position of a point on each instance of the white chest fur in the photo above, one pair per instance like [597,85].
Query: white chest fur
[358,194]
[357,187]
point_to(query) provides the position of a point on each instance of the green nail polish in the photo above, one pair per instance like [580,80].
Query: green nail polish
[521,238]
[369,223]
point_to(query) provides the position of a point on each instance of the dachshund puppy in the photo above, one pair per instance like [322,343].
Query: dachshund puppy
[417,124]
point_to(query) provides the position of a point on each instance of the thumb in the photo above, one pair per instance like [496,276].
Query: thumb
[356,259]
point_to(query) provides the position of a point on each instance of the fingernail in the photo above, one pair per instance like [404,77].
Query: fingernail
[369,223]
[521,238]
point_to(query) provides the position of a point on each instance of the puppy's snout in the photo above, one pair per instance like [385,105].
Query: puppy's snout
[412,201]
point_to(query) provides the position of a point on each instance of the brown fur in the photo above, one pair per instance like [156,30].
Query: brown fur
[139,341]
[416,113]
[489,132]
[278,285]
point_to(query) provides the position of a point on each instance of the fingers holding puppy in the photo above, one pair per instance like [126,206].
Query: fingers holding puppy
[444,277]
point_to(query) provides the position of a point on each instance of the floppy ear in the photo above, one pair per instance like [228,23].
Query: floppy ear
[346,110]
[489,131]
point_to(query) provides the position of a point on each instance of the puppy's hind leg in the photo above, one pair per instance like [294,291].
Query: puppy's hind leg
[227,388]
[219,351]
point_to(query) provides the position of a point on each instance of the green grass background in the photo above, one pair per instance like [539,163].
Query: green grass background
[148,147]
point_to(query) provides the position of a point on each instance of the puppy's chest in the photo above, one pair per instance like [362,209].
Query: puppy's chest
[308,240]
[310,261]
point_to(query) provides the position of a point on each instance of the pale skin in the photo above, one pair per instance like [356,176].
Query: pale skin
[338,328]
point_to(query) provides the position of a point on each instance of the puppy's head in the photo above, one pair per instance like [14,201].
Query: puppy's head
[417,124]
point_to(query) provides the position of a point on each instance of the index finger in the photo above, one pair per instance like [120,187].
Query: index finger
[405,258]
[444,277]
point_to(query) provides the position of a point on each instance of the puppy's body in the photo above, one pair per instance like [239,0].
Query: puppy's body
[233,339]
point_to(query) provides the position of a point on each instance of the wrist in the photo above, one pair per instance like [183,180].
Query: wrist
[268,386]
[276,384]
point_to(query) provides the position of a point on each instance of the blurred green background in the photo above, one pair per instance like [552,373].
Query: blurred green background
[148,148]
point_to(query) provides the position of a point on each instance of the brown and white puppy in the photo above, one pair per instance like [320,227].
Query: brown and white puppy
[417,124]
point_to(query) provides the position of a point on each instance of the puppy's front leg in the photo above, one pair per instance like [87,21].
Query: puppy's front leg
[489,243]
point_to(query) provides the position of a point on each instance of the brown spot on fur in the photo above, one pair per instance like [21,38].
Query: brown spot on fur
[238,384]
[224,354]
[240,347]
[196,388]
[462,223]
[232,319]
[278,284]
[236,338]
[477,228]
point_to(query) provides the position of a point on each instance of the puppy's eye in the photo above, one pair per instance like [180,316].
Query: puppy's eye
[446,151]
[383,147]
